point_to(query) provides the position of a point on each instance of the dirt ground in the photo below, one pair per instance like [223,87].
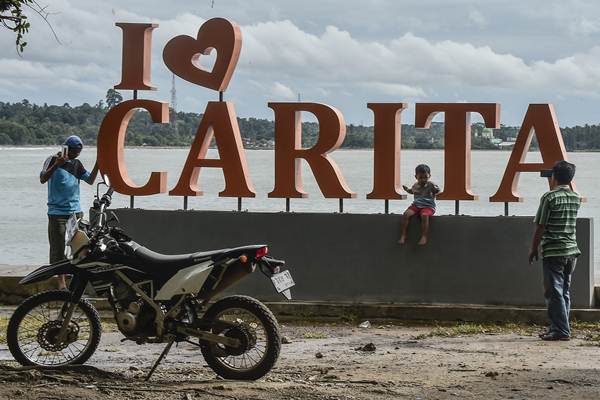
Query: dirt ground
[330,362]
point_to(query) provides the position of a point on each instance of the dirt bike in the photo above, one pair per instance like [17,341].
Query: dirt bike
[155,298]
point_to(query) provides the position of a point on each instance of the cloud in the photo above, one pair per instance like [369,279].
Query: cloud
[281,92]
[30,75]
[406,66]
[322,92]
[477,18]
[396,89]
[378,51]
[577,18]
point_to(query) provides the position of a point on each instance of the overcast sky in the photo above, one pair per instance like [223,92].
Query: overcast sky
[343,53]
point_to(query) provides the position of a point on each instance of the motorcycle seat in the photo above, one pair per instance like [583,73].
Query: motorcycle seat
[179,259]
[151,260]
[162,266]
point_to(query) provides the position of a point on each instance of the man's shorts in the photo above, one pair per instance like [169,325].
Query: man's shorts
[425,211]
[57,225]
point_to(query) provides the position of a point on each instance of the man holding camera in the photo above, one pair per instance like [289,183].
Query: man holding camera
[63,172]
[556,221]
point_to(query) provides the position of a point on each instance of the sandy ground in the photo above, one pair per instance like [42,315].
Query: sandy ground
[407,363]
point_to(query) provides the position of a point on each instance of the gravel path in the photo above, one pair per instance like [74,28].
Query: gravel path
[334,362]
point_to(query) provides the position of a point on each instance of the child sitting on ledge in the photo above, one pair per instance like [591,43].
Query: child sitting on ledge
[424,203]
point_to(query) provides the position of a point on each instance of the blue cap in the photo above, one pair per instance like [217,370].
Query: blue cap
[74,141]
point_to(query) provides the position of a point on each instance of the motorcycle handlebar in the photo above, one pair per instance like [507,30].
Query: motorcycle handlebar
[101,205]
[107,197]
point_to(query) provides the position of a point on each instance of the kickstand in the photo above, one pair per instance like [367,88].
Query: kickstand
[160,358]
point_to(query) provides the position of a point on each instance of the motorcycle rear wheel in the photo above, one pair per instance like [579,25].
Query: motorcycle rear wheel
[32,330]
[257,329]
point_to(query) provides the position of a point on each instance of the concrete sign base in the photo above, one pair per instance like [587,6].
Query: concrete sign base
[356,258]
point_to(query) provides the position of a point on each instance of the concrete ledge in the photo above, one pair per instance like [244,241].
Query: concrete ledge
[420,312]
[340,312]
[344,312]
[12,293]
[354,313]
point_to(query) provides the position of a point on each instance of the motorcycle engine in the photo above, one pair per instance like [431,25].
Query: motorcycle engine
[133,315]
[127,319]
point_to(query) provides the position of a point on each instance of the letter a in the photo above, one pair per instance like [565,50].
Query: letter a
[541,119]
[219,119]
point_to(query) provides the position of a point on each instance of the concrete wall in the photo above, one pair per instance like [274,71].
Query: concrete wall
[355,257]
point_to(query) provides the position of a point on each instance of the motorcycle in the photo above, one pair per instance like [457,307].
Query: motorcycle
[155,298]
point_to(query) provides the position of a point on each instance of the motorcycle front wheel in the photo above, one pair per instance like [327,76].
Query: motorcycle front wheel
[255,326]
[33,331]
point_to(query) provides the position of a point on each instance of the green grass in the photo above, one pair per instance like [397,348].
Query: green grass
[314,335]
[109,326]
[469,328]
[3,326]
[588,331]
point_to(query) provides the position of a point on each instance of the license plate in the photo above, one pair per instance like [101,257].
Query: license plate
[282,281]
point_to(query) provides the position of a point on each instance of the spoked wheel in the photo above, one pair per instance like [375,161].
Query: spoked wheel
[33,333]
[254,326]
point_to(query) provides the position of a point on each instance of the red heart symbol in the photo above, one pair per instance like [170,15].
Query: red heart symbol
[220,34]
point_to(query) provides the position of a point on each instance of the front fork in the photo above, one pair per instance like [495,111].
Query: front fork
[76,288]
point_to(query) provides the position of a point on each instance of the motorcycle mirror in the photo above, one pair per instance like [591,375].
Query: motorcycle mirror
[106,180]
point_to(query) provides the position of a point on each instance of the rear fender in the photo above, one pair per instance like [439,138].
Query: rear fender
[248,251]
[48,271]
[273,265]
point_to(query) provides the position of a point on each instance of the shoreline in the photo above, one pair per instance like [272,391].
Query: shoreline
[48,146]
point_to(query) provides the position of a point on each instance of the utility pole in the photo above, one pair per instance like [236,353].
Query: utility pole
[174,103]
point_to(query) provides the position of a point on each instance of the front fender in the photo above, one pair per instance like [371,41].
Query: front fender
[47,271]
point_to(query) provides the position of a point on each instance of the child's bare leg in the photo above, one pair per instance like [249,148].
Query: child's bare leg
[424,229]
[405,220]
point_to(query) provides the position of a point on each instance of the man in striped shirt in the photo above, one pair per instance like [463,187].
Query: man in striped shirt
[556,220]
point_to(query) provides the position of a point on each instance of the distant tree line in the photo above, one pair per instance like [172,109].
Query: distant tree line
[25,123]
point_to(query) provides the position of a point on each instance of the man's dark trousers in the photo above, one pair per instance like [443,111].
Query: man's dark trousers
[557,285]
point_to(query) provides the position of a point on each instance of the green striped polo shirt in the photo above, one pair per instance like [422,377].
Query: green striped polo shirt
[558,213]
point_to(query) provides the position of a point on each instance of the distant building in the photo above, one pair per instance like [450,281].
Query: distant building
[487,133]
[506,145]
